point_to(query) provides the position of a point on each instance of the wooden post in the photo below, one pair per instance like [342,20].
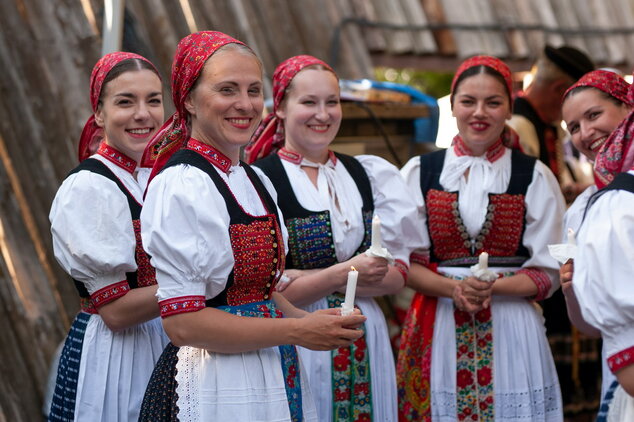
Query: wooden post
[112,26]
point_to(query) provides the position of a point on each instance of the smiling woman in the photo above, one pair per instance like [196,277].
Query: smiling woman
[213,229]
[130,111]
[592,108]
[117,337]
[481,195]
[227,101]
[328,201]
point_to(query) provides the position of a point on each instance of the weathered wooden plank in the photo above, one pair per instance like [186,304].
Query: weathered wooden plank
[621,14]
[43,143]
[353,60]
[566,17]
[162,30]
[316,26]
[374,38]
[286,41]
[507,13]
[469,42]
[587,13]
[547,17]
[444,37]
[385,110]
[415,15]
[528,14]
[398,41]
[494,41]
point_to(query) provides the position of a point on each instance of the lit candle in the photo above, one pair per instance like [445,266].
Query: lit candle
[571,237]
[376,234]
[351,289]
[483,261]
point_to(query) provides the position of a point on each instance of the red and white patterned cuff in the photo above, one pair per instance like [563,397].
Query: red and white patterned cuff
[403,268]
[621,359]
[420,257]
[181,305]
[541,280]
[109,293]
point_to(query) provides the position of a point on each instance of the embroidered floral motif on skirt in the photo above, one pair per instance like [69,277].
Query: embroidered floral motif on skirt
[413,367]
[474,366]
[351,381]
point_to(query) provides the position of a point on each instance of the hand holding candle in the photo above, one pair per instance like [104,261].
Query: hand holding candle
[376,248]
[351,288]
[481,269]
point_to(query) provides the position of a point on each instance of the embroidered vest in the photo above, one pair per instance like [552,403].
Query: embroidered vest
[503,228]
[257,243]
[310,240]
[145,274]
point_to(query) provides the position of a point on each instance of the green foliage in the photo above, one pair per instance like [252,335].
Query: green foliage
[436,84]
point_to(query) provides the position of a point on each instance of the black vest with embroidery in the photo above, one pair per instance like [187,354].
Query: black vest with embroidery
[145,274]
[257,243]
[310,241]
[503,228]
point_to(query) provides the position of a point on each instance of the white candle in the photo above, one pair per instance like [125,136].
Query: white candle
[351,289]
[483,261]
[571,237]
[376,234]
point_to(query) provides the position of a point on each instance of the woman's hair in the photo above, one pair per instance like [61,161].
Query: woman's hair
[123,67]
[604,94]
[479,70]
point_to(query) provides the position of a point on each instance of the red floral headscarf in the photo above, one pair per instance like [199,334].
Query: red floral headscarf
[509,137]
[604,80]
[192,53]
[269,136]
[489,61]
[616,154]
[92,134]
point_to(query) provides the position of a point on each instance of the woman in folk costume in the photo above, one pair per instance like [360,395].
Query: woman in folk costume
[473,349]
[604,264]
[117,336]
[328,209]
[592,108]
[213,230]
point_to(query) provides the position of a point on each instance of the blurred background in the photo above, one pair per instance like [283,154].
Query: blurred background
[396,59]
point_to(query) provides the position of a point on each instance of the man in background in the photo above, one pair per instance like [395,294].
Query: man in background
[537,119]
[537,111]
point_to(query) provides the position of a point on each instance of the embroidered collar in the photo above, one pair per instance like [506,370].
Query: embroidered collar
[296,158]
[120,159]
[494,152]
[210,153]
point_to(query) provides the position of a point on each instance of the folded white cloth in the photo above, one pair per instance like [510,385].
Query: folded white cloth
[381,253]
[562,252]
[483,274]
